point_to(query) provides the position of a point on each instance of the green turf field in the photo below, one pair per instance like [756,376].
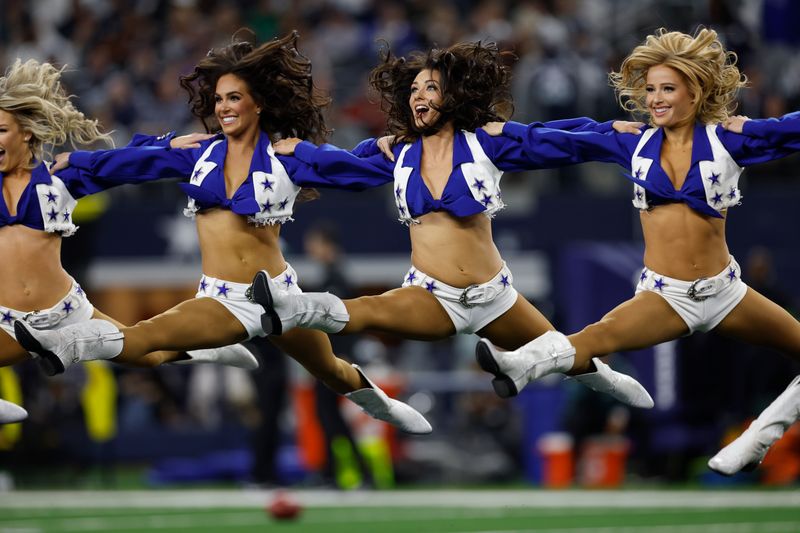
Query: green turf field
[405,511]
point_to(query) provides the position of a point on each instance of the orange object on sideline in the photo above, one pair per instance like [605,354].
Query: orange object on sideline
[310,438]
[557,459]
[602,462]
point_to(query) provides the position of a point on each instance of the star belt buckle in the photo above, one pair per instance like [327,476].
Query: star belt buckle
[694,292]
[463,298]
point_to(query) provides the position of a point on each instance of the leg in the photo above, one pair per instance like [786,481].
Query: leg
[517,326]
[313,350]
[193,324]
[410,312]
[758,320]
[626,327]
[150,360]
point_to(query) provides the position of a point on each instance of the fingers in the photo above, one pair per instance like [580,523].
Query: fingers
[493,128]
[385,146]
[60,162]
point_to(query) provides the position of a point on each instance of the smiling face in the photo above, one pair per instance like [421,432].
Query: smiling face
[668,97]
[14,150]
[235,107]
[426,92]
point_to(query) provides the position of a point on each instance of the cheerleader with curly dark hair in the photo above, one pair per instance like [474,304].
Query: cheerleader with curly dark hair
[445,174]
[240,194]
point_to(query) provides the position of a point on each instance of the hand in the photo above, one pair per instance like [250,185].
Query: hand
[494,128]
[735,123]
[385,144]
[60,162]
[189,141]
[623,126]
[286,146]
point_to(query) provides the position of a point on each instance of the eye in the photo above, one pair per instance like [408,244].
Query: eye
[235,98]
[669,89]
[217,98]
[649,89]
[413,90]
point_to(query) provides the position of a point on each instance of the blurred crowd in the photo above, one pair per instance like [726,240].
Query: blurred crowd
[123,61]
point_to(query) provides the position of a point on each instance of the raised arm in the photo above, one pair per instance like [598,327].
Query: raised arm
[533,146]
[752,141]
[330,167]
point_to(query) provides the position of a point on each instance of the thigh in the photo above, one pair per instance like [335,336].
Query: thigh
[517,326]
[643,321]
[190,325]
[11,352]
[102,316]
[758,320]
[410,312]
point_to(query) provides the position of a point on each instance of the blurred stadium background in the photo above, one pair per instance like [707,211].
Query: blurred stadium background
[570,236]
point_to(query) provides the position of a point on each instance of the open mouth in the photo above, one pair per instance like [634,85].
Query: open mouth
[420,110]
[660,111]
[227,120]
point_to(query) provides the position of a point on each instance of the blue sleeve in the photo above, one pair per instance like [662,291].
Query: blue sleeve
[140,139]
[366,148]
[763,140]
[91,172]
[331,167]
[534,146]
[578,124]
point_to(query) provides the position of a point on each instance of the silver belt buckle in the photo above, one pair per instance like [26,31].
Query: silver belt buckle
[463,298]
[40,320]
[693,292]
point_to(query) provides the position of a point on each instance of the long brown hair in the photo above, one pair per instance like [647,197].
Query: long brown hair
[279,78]
[474,84]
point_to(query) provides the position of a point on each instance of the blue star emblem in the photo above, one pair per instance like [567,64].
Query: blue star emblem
[430,286]
[398,192]
[288,280]
[196,174]
[203,284]
[267,206]
[78,290]
[222,290]
[65,215]
[52,215]
[479,185]
[732,274]
[659,284]
[7,317]
[717,198]
[282,203]
[714,178]
[51,197]
[638,173]
[401,209]
[67,307]
[504,281]
[644,275]
[411,277]
[486,200]
[267,184]
[732,194]
[639,194]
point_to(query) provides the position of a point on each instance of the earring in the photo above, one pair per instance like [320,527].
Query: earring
[258,112]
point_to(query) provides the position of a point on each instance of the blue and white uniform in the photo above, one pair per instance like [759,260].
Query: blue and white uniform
[711,186]
[473,187]
[265,197]
[46,204]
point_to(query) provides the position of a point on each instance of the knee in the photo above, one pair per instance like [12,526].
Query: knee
[595,339]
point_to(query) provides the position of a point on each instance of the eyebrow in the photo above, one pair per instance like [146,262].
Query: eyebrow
[426,81]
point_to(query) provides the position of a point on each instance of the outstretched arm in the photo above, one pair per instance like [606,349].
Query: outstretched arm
[91,172]
[528,147]
[752,141]
[331,167]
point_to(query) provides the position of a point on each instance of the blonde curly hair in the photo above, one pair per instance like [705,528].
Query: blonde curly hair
[32,92]
[709,70]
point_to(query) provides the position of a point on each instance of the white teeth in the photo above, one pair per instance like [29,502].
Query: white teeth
[228,120]
[420,109]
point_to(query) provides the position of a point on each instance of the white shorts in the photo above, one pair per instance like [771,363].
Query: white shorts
[702,303]
[233,296]
[73,308]
[473,307]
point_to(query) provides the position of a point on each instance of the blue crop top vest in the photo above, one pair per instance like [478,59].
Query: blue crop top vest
[266,196]
[47,202]
[718,158]
[479,161]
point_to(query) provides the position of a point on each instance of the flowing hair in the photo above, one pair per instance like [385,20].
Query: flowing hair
[709,70]
[32,93]
[474,85]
